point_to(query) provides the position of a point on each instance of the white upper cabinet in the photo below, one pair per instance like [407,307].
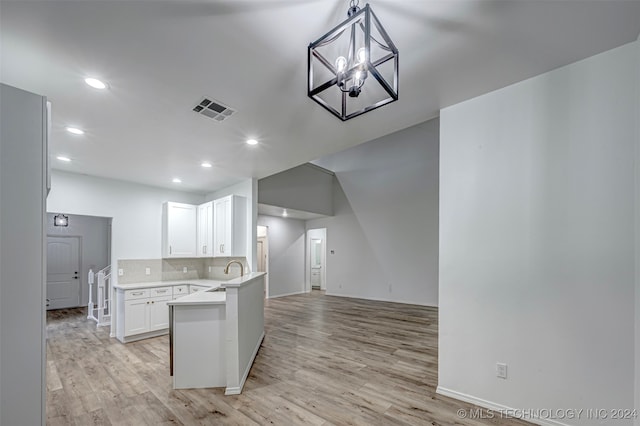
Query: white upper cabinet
[230,224]
[178,230]
[205,230]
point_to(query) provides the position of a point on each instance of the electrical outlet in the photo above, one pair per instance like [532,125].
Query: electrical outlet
[501,370]
[147,271]
[120,272]
[209,268]
[184,270]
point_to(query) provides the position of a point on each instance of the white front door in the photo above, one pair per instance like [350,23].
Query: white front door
[63,272]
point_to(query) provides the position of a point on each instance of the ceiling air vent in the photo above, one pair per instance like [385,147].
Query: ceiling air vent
[213,109]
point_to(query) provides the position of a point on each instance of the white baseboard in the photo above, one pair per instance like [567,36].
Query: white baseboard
[494,406]
[288,294]
[378,299]
[237,390]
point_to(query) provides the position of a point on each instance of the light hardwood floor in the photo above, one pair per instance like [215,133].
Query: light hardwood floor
[325,360]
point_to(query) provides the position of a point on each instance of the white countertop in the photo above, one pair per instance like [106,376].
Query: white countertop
[204,297]
[240,281]
[212,297]
[202,282]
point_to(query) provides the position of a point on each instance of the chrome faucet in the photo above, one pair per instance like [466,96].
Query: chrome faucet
[226,268]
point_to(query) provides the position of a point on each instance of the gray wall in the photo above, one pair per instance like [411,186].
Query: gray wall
[384,232]
[286,240]
[95,236]
[637,241]
[22,229]
[537,242]
[306,187]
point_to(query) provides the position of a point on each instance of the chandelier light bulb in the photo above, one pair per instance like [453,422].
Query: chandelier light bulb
[362,55]
[341,63]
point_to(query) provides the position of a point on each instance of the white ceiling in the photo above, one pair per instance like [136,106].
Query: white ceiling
[161,56]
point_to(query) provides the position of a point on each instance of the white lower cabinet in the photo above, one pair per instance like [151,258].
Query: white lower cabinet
[143,312]
[159,313]
[136,313]
[195,288]
[180,290]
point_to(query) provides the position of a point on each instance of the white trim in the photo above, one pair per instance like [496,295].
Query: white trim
[493,406]
[237,390]
[379,299]
[147,335]
[288,294]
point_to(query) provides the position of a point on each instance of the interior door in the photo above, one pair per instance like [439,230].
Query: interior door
[316,262]
[63,272]
[262,255]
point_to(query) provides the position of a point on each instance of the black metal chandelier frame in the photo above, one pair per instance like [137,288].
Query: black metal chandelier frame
[356,72]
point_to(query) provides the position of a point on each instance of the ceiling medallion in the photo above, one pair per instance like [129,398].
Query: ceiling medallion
[353,68]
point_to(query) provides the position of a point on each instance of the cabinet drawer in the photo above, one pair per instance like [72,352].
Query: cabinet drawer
[179,290]
[136,294]
[160,291]
[194,288]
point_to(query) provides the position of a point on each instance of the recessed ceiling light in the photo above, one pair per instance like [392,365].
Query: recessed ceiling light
[206,165]
[252,142]
[75,130]
[95,83]
[62,158]
[284,213]
[177,180]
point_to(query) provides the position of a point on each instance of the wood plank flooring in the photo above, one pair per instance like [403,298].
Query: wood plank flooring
[324,361]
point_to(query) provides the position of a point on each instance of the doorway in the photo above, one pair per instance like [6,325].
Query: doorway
[262,250]
[83,244]
[316,271]
[63,269]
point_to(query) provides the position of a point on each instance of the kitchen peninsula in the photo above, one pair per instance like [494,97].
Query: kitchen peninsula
[215,334]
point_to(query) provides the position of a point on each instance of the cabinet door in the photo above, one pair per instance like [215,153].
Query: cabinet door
[205,230]
[136,316]
[180,230]
[222,227]
[159,313]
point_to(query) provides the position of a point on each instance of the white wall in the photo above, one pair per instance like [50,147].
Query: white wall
[94,233]
[536,248]
[286,239]
[248,188]
[136,210]
[384,232]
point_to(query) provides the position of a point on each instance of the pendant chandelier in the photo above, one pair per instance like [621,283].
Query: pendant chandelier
[353,68]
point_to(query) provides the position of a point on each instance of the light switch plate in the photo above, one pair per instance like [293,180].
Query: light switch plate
[501,370]
[147,271]
[184,270]
[120,272]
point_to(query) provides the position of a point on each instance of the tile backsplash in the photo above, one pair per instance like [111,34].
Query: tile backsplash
[134,270]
